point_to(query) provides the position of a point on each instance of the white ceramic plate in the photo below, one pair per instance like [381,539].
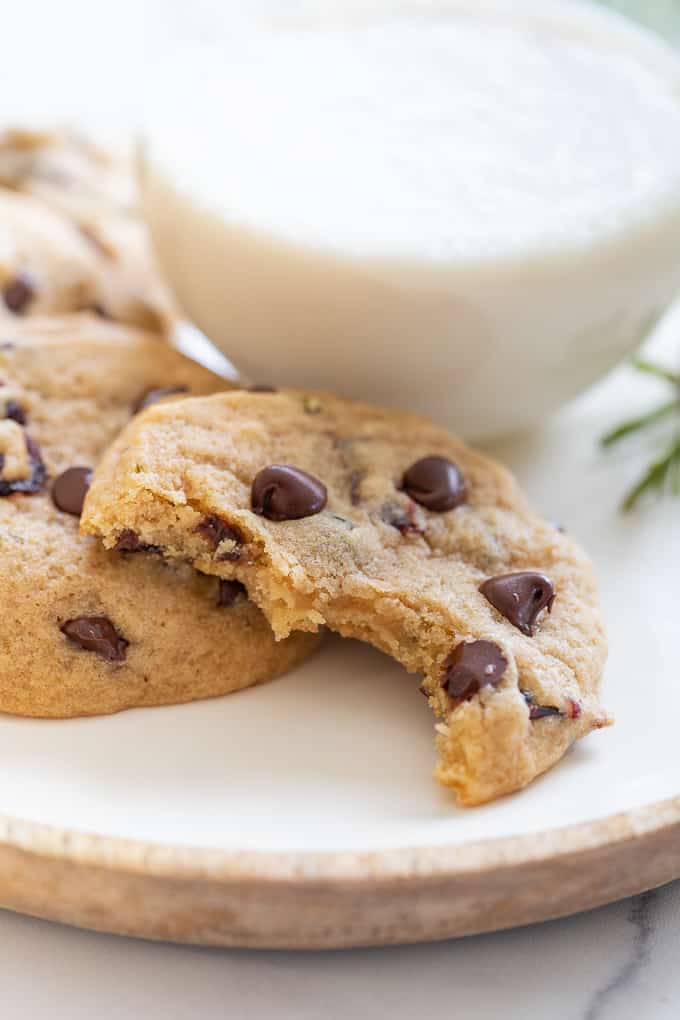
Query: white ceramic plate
[324,776]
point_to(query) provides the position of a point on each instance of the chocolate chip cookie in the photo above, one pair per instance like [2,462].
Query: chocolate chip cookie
[386,528]
[90,248]
[67,170]
[46,267]
[85,631]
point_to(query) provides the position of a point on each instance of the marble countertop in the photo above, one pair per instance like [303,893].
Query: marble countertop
[615,963]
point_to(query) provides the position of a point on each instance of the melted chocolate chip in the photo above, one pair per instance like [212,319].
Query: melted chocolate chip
[281,492]
[36,479]
[128,541]
[70,488]
[402,518]
[539,711]
[18,293]
[261,388]
[435,483]
[96,634]
[15,411]
[150,397]
[216,531]
[520,597]
[470,666]
[229,591]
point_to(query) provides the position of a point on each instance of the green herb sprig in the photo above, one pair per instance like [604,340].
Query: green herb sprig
[663,474]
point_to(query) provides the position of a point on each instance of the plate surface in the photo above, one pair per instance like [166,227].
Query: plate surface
[303,813]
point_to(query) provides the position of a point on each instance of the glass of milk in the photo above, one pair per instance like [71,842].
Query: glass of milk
[470,208]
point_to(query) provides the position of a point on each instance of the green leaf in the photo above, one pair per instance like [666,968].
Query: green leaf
[659,471]
[635,424]
[675,475]
[651,368]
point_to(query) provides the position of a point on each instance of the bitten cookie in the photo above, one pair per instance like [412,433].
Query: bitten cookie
[386,528]
[85,631]
[90,215]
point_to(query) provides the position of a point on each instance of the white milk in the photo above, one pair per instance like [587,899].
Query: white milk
[469,208]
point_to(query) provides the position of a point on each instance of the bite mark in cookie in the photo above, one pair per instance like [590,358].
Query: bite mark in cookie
[397,559]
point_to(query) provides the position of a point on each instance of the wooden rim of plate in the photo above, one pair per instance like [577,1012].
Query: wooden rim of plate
[320,900]
[439,861]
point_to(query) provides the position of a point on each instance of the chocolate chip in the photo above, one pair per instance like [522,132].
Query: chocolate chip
[96,634]
[538,711]
[281,492]
[216,531]
[520,597]
[35,481]
[70,488]
[261,388]
[470,666]
[18,293]
[150,397]
[402,518]
[229,591]
[541,711]
[128,541]
[435,483]
[15,411]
